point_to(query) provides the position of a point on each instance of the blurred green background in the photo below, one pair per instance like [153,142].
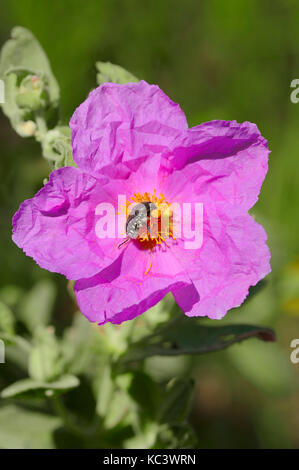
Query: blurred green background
[219,60]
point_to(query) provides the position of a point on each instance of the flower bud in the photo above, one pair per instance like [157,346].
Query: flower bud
[32,93]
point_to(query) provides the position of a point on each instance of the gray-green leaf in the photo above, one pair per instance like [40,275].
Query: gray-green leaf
[36,308]
[7,320]
[24,429]
[45,361]
[29,388]
[108,72]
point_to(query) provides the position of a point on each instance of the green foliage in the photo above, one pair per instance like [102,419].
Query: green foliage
[7,320]
[188,336]
[36,306]
[30,85]
[30,388]
[32,96]
[24,429]
[131,408]
[23,53]
[108,72]
[177,401]
[45,361]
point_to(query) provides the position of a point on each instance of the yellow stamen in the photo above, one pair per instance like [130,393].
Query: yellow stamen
[146,272]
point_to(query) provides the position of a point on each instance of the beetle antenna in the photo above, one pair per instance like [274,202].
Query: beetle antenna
[125,241]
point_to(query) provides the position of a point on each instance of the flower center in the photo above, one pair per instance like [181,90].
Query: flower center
[157,224]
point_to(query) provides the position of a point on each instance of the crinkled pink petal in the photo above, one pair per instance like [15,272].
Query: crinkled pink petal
[57,226]
[119,126]
[225,266]
[219,161]
[136,281]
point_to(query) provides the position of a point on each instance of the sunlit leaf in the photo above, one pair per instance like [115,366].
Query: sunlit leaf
[36,307]
[28,388]
[7,319]
[108,72]
[76,345]
[45,361]
[24,429]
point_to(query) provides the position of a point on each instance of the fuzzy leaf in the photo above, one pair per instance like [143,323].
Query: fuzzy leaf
[36,308]
[108,72]
[29,388]
[24,429]
[45,361]
[7,320]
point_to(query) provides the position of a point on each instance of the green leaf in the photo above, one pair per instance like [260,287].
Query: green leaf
[37,305]
[147,402]
[16,340]
[185,335]
[17,350]
[10,107]
[11,294]
[105,390]
[24,429]
[113,403]
[108,72]
[76,344]
[7,320]
[177,400]
[45,361]
[145,438]
[28,388]
[176,436]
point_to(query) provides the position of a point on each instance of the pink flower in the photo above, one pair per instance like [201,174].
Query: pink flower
[133,140]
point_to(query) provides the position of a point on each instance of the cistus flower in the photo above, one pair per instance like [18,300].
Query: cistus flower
[133,140]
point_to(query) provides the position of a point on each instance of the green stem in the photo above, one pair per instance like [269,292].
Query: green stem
[42,128]
[64,414]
